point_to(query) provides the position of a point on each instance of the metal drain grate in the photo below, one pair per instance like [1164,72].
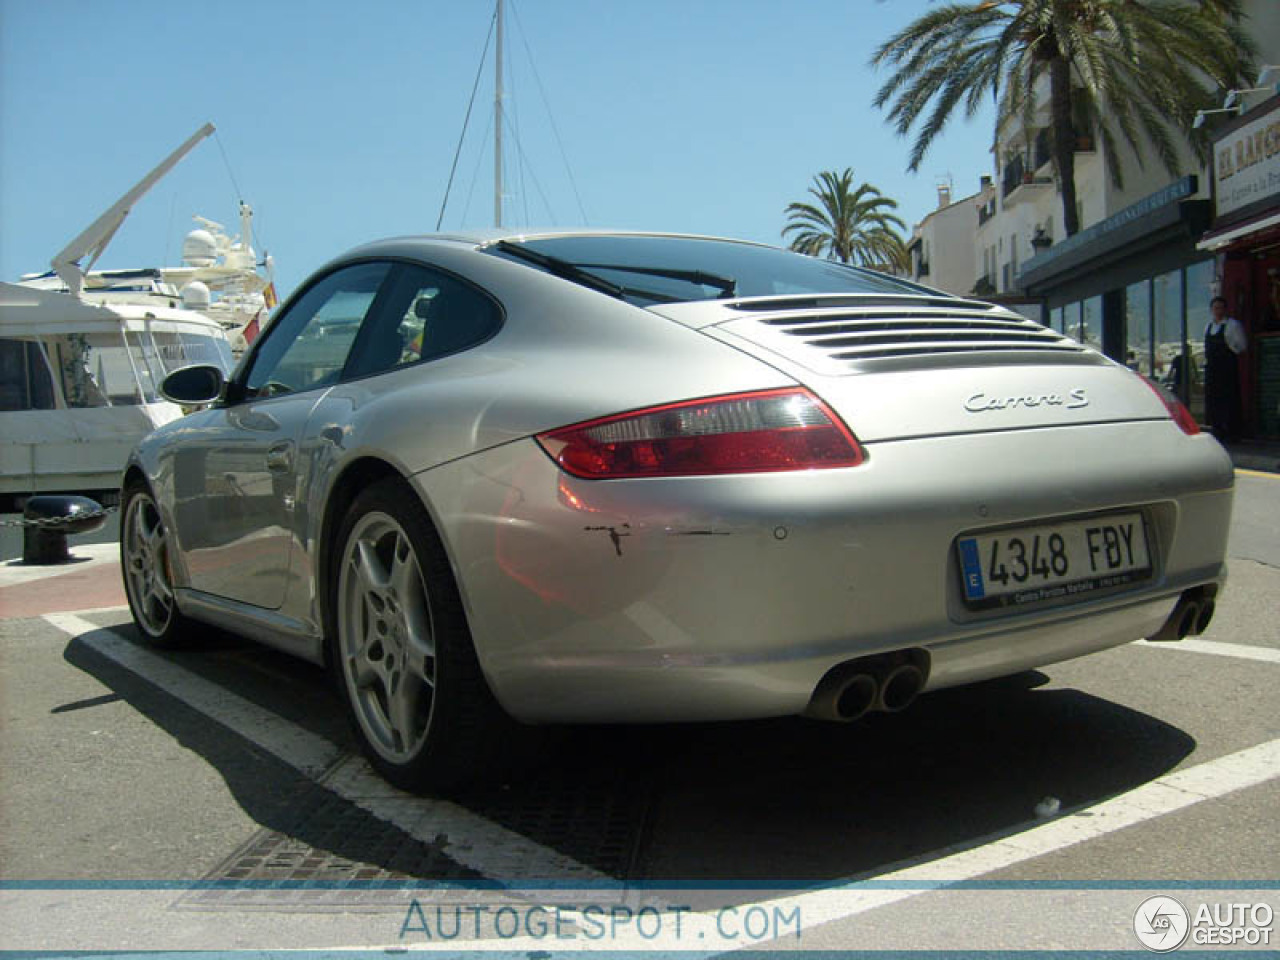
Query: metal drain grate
[331,854]
[596,816]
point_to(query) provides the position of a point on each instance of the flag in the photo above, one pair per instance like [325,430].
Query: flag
[269,295]
[250,332]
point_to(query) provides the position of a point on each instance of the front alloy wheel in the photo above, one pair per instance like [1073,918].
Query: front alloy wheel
[144,561]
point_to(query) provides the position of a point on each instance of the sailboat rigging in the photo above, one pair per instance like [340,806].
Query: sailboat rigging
[501,122]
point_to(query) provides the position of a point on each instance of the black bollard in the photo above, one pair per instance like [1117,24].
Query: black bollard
[46,542]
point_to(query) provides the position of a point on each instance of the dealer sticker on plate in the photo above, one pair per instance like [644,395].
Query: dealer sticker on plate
[1047,562]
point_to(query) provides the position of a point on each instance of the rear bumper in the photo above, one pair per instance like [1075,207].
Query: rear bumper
[730,597]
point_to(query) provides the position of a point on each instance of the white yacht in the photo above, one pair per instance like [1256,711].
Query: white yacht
[82,352]
[219,278]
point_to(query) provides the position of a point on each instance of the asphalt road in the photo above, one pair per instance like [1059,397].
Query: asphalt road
[208,799]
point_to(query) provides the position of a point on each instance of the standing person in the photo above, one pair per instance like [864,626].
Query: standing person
[1224,340]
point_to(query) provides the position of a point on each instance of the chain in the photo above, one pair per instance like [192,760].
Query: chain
[59,521]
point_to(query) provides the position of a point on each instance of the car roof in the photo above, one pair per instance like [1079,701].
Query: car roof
[487,236]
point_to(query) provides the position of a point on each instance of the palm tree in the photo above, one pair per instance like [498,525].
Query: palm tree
[1136,68]
[852,226]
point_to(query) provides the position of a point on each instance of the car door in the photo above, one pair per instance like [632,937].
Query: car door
[235,469]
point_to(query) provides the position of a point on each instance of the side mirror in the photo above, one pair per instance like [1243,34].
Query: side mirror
[201,383]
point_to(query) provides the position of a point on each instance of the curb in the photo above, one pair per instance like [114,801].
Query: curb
[1263,462]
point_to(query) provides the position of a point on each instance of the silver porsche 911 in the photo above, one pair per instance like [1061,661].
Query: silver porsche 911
[574,477]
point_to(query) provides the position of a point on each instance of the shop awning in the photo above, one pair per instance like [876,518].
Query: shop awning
[1168,216]
[1225,236]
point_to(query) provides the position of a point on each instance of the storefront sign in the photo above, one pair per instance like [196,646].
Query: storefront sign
[1164,202]
[1247,163]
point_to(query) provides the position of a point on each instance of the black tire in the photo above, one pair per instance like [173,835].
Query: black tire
[145,568]
[402,652]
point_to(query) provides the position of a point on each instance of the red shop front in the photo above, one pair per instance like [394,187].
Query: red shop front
[1245,236]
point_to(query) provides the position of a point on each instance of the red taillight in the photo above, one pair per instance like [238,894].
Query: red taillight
[760,432]
[1181,415]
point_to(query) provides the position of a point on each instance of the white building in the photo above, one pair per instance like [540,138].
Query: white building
[1137,278]
[940,245]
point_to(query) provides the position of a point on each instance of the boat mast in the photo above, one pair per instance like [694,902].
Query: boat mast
[497,126]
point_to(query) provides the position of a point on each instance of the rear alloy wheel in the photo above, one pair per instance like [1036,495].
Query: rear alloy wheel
[144,562]
[417,698]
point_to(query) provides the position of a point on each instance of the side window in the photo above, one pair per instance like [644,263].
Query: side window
[309,345]
[25,381]
[424,316]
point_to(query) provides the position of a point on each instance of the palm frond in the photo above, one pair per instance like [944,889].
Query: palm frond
[1140,68]
[847,223]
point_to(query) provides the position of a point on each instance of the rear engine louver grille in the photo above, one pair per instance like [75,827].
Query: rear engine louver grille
[879,333]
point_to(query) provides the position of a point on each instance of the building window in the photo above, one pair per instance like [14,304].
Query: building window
[1091,323]
[1071,320]
[1199,291]
[1137,324]
[1042,152]
[1168,334]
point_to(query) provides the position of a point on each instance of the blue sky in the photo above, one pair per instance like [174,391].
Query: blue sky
[340,120]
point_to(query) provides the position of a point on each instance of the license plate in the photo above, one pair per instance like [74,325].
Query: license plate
[1053,561]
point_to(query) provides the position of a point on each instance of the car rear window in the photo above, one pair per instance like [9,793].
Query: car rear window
[659,269]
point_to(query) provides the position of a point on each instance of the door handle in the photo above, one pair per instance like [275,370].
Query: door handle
[280,458]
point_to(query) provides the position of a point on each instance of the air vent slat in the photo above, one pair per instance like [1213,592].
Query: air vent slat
[898,316]
[931,350]
[908,328]
[834,331]
[923,337]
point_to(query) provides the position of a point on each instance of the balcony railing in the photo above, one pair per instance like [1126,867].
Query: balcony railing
[1014,173]
[1014,194]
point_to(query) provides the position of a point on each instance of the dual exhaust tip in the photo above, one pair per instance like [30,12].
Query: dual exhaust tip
[1191,617]
[887,683]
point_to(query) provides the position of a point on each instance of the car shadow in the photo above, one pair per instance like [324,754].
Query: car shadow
[298,815]
[788,802]
[807,802]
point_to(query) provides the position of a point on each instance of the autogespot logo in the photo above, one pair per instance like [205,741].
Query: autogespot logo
[1161,924]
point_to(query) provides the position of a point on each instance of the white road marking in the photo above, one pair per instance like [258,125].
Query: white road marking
[474,841]
[1164,795]
[306,752]
[469,839]
[1239,650]
[1168,794]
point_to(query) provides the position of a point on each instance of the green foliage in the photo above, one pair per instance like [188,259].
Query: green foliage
[847,224]
[1136,71]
